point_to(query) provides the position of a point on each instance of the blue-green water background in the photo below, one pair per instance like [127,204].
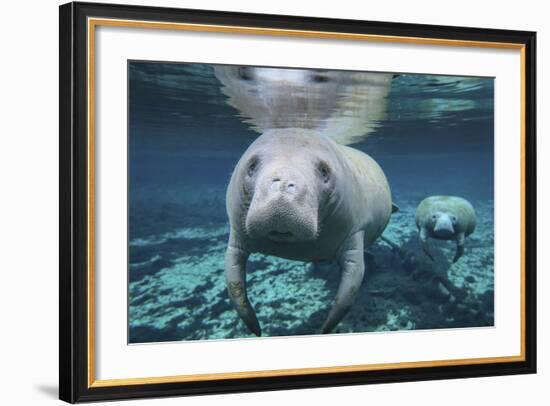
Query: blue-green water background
[184,141]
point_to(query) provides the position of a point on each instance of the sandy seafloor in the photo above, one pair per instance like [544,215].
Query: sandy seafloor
[177,287]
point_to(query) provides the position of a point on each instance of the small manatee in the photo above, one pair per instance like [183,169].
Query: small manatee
[445,218]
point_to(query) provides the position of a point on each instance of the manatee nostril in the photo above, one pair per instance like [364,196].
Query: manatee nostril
[276,185]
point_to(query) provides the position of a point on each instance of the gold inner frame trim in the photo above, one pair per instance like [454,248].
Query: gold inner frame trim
[94,22]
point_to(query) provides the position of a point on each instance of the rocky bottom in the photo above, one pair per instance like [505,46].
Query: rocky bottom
[177,287]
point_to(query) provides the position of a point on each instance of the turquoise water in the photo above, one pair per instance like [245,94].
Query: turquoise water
[435,137]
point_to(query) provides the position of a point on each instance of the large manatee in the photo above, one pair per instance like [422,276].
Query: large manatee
[345,106]
[297,194]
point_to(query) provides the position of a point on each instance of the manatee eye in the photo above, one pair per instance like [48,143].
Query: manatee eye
[252,166]
[453,219]
[319,77]
[434,216]
[324,171]
[245,73]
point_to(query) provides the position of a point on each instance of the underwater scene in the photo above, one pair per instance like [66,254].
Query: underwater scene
[281,202]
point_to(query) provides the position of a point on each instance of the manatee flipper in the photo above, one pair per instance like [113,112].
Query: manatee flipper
[352,266]
[424,241]
[394,208]
[459,247]
[235,267]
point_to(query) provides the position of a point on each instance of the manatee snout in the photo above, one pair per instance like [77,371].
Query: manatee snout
[283,208]
[444,226]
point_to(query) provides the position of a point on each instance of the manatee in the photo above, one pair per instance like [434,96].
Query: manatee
[298,195]
[445,218]
[346,106]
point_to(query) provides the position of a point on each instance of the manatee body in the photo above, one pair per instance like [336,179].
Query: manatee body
[295,194]
[445,218]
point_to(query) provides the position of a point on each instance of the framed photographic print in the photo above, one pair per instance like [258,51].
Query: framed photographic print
[255,202]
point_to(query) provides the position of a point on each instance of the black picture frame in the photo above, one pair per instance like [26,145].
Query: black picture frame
[74,383]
